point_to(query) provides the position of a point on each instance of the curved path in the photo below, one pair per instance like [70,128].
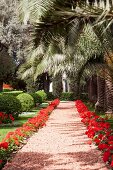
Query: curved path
[60,145]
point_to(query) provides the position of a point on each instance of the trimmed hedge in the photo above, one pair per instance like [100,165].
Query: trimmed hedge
[36,97]
[27,102]
[10,104]
[13,93]
[7,90]
[42,95]
[50,96]
[84,96]
[67,96]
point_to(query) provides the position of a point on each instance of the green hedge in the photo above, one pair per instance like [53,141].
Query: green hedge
[14,93]
[7,90]
[27,102]
[84,96]
[36,97]
[67,96]
[10,104]
[50,96]
[42,95]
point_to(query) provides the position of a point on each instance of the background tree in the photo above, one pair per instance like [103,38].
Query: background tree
[7,66]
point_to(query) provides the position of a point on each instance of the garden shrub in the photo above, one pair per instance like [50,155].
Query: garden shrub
[84,96]
[10,104]
[50,96]
[67,96]
[42,95]
[36,97]
[27,102]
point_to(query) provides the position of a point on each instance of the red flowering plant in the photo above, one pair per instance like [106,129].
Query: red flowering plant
[15,138]
[3,153]
[98,129]
[6,118]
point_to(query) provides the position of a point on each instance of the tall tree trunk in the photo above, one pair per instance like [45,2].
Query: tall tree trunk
[92,89]
[109,93]
[99,106]
[74,85]
[46,82]
[57,85]
[1,85]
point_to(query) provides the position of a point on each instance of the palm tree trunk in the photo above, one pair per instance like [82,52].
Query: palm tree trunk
[92,89]
[57,85]
[74,85]
[109,93]
[1,85]
[46,82]
[99,106]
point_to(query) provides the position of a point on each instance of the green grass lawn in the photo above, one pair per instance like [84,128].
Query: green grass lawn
[4,129]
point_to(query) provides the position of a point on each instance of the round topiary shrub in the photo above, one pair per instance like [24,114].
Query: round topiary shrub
[27,102]
[10,104]
[36,97]
[42,95]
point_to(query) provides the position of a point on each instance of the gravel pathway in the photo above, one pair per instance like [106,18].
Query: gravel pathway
[61,145]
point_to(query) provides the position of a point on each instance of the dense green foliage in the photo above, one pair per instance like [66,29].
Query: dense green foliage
[42,95]
[50,96]
[27,101]
[67,96]
[9,104]
[36,97]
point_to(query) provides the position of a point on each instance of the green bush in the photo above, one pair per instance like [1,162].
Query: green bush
[10,104]
[27,102]
[36,97]
[67,96]
[13,93]
[84,96]
[50,96]
[7,90]
[42,95]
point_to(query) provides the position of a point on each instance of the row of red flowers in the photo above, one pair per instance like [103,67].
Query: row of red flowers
[13,139]
[6,118]
[98,129]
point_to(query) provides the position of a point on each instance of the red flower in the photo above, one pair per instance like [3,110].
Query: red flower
[11,117]
[4,145]
[106,156]
[1,161]
[97,141]
[111,163]
[103,146]
[110,142]
[110,138]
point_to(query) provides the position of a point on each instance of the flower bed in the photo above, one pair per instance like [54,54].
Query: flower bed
[13,140]
[6,118]
[98,129]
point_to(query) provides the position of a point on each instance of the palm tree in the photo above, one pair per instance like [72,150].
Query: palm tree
[66,10]
[66,20]
[59,59]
